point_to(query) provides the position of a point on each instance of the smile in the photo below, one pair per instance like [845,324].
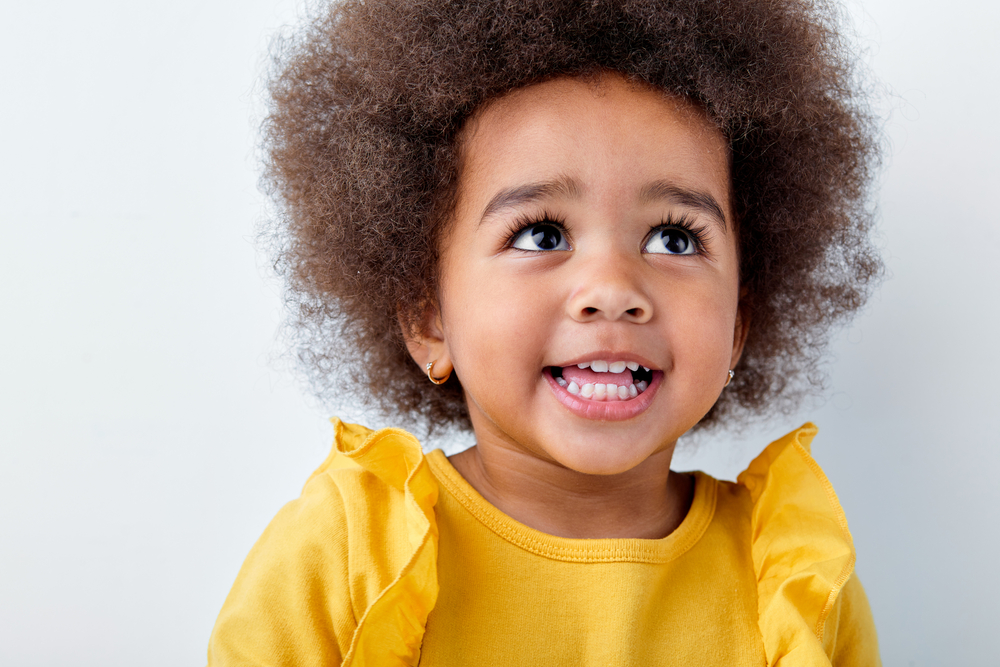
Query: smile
[605,391]
[600,380]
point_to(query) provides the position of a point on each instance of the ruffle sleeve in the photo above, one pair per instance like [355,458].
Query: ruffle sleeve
[391,627]
[802,551]
[347,573]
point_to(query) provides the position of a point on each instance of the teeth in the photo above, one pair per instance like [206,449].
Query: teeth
[606,392]
[599,391]
[601,366]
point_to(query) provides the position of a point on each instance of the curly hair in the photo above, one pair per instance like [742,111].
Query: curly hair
[367,103]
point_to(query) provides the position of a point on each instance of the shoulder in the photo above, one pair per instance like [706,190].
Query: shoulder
[317,582]
[809,601]
[292,582]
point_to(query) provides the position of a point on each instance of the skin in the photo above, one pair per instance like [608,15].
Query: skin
[504,314]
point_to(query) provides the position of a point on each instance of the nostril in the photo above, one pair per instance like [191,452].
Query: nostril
[634,312]
[589,311]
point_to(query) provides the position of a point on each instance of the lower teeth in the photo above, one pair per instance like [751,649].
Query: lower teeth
[604,392]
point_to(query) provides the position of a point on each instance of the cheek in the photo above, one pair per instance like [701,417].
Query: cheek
[703,329]
[491,322]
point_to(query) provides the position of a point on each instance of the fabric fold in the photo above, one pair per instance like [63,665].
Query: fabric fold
[390,630]
[802,550]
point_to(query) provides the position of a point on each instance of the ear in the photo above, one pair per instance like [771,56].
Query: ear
[741,328]
[425,341]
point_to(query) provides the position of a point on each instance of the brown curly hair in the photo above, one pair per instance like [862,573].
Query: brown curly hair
[362,158]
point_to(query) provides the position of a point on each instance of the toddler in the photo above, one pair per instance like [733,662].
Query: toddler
[581,230]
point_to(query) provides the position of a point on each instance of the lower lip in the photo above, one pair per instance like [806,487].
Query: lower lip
[611,411]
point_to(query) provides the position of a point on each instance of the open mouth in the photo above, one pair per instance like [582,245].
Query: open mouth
[600,380]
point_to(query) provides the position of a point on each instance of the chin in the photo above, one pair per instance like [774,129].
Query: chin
[599,458]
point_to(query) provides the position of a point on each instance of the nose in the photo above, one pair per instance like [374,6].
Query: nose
[610,291]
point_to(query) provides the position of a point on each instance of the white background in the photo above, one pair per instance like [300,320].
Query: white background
[146,436]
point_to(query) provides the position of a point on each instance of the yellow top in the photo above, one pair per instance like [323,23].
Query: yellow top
[390,557]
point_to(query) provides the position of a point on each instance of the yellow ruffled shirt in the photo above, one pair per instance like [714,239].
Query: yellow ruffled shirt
[390,557]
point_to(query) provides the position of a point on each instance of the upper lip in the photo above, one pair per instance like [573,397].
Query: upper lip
[609,357]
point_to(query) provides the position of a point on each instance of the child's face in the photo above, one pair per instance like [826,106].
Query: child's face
[593,224]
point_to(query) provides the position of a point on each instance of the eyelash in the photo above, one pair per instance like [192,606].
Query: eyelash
[683,223]
[522,222]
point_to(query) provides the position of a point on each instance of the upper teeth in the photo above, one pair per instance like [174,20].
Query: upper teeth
[601,366]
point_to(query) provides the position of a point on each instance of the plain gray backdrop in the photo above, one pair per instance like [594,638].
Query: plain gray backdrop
[147,437]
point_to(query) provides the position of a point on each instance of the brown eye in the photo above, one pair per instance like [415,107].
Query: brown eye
[542,236]
[671,241]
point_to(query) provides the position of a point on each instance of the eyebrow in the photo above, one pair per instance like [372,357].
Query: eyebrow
[701,201]
[568,187]
[532,192]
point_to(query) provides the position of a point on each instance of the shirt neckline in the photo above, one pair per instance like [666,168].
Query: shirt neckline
[604,550]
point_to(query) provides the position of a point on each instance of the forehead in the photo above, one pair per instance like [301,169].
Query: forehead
[607,136]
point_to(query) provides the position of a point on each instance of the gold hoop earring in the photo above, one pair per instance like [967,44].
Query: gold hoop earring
[730,378]
[430,376]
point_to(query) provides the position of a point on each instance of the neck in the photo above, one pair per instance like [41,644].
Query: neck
[648,501]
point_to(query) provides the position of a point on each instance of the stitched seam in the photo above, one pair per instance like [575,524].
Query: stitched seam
[569,554]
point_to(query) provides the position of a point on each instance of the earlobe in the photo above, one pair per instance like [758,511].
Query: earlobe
[426,343]
[429,369]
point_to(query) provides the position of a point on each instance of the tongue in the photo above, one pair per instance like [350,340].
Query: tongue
[582,376]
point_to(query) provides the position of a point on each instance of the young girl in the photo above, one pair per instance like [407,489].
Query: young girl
[582,229]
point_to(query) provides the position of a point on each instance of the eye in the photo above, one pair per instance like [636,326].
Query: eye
[671,241]
[542,236]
